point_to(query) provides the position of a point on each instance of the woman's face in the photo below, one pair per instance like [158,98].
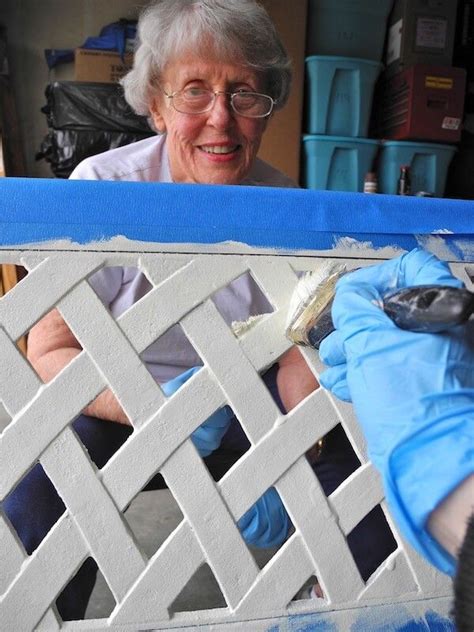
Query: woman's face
[215,147]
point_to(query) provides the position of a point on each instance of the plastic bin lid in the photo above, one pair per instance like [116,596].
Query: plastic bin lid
[413,143]
[380,7]
[344,60]
[341,139]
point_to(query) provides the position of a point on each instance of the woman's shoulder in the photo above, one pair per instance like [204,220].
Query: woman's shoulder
[264,175]
[140,161]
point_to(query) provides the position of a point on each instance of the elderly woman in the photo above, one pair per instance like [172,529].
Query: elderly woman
[209,75]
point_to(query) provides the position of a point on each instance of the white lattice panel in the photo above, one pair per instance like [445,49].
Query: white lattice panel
[94,524]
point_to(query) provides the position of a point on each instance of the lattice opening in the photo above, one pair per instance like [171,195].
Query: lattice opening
[371,542]
[39,337]
[202,592]
[299,382]
[333,460]
[10,275]
[33,507]
[234,300]
[101,438]
[270,521]
[120,287]
[311,590]
[153,515]
[86,596]
[170,355]
[234,445]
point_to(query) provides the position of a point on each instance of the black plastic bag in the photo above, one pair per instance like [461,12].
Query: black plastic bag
[65,149]
[87,105]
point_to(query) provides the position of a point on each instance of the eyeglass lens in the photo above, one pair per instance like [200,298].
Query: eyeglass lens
[194,101]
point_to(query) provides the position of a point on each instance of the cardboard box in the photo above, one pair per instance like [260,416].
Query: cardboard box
[100,65]
[421,103]
[281,141]
[420,32]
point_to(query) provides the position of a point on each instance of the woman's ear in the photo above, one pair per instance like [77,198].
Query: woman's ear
[155,111]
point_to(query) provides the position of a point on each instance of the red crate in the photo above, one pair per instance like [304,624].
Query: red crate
[423,102]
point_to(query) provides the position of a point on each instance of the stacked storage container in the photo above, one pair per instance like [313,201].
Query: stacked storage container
[344,46]
[419,98]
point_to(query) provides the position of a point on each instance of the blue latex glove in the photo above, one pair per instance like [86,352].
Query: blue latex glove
[266,523]
[413,393]
[208,436]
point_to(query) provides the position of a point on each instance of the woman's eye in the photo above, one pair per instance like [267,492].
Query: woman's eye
[195,93]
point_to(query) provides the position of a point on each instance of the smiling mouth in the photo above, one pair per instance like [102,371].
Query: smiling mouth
[219,149]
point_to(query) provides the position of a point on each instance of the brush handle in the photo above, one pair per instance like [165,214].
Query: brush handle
[429,308]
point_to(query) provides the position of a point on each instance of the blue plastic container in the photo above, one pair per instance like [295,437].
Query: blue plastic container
[337,164]
[339,92]
[352,28]
[428,163]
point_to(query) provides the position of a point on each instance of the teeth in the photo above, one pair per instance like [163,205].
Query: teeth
[219,149]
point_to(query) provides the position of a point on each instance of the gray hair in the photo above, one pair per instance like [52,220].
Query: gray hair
[235,29]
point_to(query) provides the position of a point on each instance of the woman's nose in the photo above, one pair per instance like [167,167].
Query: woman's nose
[221,114]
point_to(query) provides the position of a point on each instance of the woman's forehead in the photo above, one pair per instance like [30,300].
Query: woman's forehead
[192,66]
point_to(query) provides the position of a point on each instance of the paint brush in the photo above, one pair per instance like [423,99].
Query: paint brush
[422,308]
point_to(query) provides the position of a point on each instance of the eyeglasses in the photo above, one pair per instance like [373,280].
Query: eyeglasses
[199,100]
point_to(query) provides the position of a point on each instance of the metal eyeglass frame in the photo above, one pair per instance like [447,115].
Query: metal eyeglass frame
[215,94]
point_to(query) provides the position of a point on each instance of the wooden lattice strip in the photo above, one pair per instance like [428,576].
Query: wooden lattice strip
[225,551]
[112,354]
[49,623]
[228,364]
[275,453]
[164,305]
[58,557]
[465,273]
[231,482]
[74,476]
[248,397]
[172,416]
[279,581]
[78,378]
[158,267]
[152,594]
[394,577]
[12,554]
[41,290]
[131,467]
[309,510]
[18,382]
[36,426]
[356,497]
[277,280]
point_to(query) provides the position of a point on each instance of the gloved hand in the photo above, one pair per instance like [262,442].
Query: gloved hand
[208,436]
[266,523]
[413,393]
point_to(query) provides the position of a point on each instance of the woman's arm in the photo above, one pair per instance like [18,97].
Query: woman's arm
[51,346]
[295,381]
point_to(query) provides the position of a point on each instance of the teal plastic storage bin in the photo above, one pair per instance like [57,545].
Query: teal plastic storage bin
[428,163]
[337,164]
[352,28]
[339,92]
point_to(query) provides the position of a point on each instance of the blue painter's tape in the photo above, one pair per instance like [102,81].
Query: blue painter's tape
[36,210]
[437,623]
